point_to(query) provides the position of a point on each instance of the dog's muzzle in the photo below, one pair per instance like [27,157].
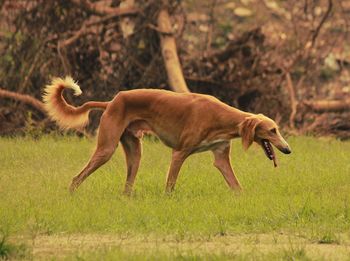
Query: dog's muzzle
[285,148]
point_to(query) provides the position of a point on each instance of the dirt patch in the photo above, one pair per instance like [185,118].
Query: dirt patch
[48,246]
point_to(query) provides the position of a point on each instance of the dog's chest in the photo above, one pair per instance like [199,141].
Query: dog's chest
[211,145]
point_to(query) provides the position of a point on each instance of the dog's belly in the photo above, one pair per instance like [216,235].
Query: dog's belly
[139,127]
[211,145]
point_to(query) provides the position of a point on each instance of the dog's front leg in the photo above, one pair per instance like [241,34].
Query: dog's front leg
[178,158]
[223,163]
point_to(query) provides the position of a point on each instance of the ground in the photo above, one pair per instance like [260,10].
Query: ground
[241,246]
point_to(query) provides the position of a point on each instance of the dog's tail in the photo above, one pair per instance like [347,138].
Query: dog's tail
[67,116]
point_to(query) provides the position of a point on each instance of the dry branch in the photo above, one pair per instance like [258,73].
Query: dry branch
[323,20]
[27,99]
[209,34]
[329,105]
[127,24]
[169,51]
[86,28]
[99,9]
[293,100]
[31,101]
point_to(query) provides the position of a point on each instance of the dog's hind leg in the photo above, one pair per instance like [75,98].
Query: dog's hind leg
[109,134]
[222,162]
[178,158]
[132,148]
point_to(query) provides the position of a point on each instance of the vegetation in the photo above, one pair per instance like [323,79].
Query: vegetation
[304,200]
[9,250]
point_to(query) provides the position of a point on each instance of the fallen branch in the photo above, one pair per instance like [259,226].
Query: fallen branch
[27,99]
[35,103]
[100,9]
[169,51]
[329,105]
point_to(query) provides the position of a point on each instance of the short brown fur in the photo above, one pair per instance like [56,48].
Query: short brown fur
[186,122]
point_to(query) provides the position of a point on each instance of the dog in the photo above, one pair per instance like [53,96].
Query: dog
[188,123]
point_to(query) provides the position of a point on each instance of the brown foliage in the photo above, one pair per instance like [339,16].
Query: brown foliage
[295,55]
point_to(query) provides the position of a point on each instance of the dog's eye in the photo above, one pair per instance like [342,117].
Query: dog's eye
[273,130]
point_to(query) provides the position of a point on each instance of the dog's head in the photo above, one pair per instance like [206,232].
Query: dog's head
[265,132]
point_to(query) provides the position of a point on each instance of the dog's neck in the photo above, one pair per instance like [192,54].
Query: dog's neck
[239,116]
[234,118]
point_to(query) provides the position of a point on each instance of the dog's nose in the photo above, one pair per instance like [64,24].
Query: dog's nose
[286,150]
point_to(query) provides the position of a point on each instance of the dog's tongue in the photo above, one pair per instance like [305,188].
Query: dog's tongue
[269,152]
[274,160]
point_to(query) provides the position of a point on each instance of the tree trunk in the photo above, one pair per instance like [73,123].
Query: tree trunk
[169,51]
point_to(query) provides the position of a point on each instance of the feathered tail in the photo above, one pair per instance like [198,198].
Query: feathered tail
[67,116]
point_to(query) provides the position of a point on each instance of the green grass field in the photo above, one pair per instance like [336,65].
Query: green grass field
[299,210]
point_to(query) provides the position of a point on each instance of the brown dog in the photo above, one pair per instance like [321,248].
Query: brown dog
[186,122]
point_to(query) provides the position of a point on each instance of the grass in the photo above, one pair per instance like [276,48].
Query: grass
[307,195]
[9,250]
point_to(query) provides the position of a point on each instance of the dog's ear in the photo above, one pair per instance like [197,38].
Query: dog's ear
[247,130]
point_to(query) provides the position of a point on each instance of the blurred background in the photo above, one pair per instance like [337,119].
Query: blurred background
[287,59]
